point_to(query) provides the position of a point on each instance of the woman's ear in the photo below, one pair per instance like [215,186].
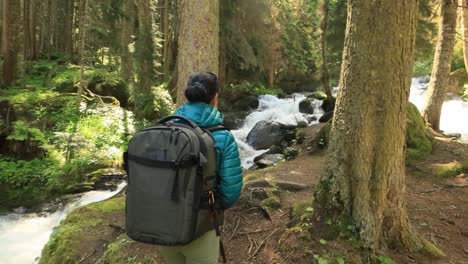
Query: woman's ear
[214,101]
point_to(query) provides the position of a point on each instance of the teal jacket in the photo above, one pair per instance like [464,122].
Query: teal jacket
[229,167]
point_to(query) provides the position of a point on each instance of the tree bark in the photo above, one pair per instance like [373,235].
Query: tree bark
[167,39]
[10,37]
[68,27]
[198,41]
[441,68]
[364,177]
[465,31]
[27,28]
[127,32]
[83,6]
[325,78]
[33,29]
[145,47]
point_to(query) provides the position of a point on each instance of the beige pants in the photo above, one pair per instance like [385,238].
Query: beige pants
[204,250]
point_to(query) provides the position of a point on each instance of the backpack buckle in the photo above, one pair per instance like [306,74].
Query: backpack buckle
[211,199]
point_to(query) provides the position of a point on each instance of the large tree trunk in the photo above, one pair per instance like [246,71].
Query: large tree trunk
[10,37]
[145,47]
[325,78]
[198,41]
[364,178]
[442,60]
[127,32]
[465,31]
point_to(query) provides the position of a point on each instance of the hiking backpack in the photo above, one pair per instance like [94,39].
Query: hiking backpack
[172,172]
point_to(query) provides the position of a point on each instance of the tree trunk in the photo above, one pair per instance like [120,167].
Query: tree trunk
[325,78]
[364,177]
[27,29]
[81,50]
[10,37]
[145,47]
[198,41]
[127,32]
[167,38]
[442,60]
[68,27]
[33,29]
[465,31]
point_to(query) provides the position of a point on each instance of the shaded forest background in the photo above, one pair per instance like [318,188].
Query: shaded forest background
[79,76]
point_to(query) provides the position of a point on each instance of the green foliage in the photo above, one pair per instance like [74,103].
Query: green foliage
[423,66]
[384,260]
[464,92]
[66,79]
[299,34]
[23,132]
[27,174]
[248,87]
[290,153]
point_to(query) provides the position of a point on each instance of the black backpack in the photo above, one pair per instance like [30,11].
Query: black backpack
[172,172]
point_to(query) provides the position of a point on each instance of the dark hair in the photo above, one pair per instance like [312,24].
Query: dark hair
[202,87]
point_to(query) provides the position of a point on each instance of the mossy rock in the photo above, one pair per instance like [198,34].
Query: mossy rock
[272,202]
[302,124]
[448,170]
[85,230]
[418,139]
[318,95]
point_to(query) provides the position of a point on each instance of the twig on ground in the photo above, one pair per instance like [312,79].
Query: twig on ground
[253,232]
[287,256]
[251,244]
[235,230]
[262,243]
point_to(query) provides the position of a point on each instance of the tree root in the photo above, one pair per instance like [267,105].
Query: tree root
[285,185]
[431,249]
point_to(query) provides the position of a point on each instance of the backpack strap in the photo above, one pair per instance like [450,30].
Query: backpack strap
[212,129]
[214,221]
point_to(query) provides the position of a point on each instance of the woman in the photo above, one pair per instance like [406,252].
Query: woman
[202,96]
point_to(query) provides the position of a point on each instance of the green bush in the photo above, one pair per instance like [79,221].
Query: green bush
[252,88]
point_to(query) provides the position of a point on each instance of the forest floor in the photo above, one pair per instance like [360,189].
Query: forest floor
[437,207]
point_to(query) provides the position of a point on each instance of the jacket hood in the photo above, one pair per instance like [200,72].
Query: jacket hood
[203,114]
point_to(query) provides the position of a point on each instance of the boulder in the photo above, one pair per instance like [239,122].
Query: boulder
[290,121]
[310,118]
[306,106]
[263,163]
[265,134]
[326,117]
[329,105]
[245,103]
[234,120]
[270,157]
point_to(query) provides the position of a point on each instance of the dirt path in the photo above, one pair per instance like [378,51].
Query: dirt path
[439,212]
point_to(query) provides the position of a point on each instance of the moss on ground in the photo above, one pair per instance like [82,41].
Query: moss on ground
[79,230]
[418,139]
[448,170]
